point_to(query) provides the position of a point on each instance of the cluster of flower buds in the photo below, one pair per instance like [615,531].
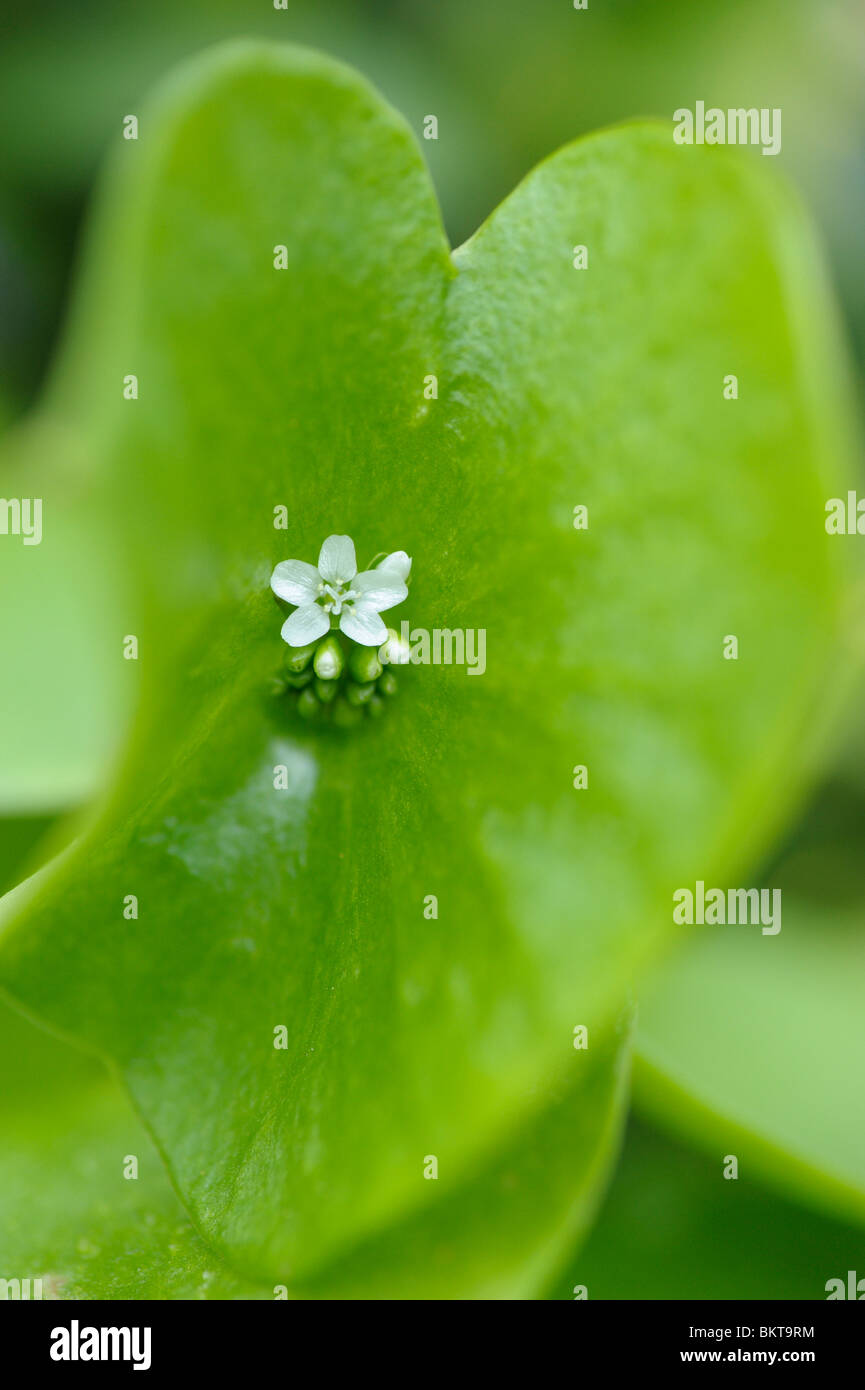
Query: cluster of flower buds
[337,679]
[336,635]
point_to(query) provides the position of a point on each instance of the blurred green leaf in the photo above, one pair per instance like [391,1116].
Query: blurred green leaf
[303,908]
[65,689]
[755,1045]
[673,1228]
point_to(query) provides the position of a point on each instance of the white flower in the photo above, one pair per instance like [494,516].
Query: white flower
[335,588]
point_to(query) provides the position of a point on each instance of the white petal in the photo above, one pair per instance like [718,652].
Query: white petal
[398,563]
[295,581]
[337,563]
[305,625]
[362,624]
[380,591]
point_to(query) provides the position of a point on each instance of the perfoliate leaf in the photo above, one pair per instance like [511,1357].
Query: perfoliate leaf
[269,263]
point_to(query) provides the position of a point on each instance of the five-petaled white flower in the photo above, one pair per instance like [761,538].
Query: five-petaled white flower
[336,589]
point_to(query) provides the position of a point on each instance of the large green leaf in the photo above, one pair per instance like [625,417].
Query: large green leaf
[68,1133]
[258,387]
[756,1045]
[95,1232]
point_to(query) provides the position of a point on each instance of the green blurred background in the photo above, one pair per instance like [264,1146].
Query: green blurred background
[510,82]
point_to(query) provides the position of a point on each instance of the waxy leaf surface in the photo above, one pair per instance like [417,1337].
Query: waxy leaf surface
[303,906]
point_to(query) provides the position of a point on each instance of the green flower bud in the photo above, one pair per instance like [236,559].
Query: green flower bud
[376,706]
[307,705]
[387,683]
[329,660]
[358,694]
[298,681]
[363,663]
[299,657]
[325,690]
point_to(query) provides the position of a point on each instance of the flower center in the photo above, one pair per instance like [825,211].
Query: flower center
[336,596]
